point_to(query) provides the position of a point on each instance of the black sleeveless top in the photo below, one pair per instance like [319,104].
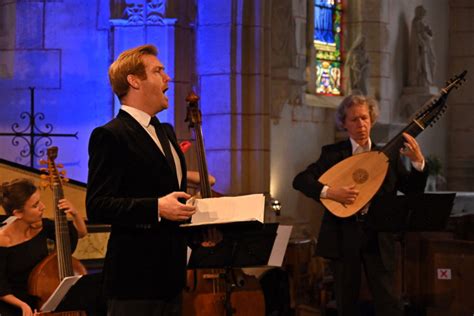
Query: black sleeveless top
[17,262]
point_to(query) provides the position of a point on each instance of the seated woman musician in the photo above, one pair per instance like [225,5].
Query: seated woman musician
[23,242]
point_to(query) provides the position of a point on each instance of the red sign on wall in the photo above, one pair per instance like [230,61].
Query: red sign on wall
[444,274]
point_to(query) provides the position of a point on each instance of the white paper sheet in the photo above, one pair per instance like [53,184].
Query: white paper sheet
[53,301]
[279,246]
[228,209]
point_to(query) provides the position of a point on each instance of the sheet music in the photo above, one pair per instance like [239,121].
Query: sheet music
[53,301]
[279,246]
[228,209]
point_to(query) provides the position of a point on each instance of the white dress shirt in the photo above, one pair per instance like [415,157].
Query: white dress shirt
[144,120]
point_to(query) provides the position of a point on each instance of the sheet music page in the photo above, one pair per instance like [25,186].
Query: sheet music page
[279,246]
[53,301]
[228,209]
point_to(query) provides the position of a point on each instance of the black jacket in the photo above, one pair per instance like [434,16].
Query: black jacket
[334,235]
[127,173]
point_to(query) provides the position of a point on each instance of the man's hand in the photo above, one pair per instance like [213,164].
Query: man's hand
[170,208]
[344,195]
[412,149]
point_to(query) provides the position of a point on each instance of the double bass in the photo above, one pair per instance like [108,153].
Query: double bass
[367,170]
[217,291]
[48,274]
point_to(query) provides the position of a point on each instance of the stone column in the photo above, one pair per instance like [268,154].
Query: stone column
[460,153]
[233,73]
[370,18]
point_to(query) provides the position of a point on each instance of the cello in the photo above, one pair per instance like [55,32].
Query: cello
[216,291]
[47,275]
[367,170]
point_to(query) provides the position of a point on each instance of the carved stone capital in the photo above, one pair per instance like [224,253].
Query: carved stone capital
[149,12]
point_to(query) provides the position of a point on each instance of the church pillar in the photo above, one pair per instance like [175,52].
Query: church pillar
[233,75]
[460,168]
[371,20]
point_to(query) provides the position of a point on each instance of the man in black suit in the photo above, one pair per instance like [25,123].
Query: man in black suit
[137,183]
[349,242]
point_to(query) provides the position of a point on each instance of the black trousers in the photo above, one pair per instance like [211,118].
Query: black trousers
[348,270]
[171,307]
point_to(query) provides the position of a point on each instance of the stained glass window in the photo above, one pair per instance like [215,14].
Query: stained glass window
[327,42]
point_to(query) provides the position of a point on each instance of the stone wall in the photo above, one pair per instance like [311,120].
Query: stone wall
[248,60]
[62,51]
[302,123]
[64,48]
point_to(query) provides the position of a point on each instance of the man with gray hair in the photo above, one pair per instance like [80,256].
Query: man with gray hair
[348,242]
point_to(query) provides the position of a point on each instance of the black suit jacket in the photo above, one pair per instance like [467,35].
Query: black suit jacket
[127,174]
[337,236]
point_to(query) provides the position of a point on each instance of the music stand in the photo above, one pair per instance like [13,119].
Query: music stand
[244,244]
[410,213]
[85,295]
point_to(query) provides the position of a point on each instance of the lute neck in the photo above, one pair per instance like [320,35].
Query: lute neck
[392,148]
[414,128]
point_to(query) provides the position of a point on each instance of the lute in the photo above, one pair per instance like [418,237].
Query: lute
[367,170]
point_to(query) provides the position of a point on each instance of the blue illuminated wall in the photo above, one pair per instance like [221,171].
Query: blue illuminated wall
[63,50]
[217,48]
